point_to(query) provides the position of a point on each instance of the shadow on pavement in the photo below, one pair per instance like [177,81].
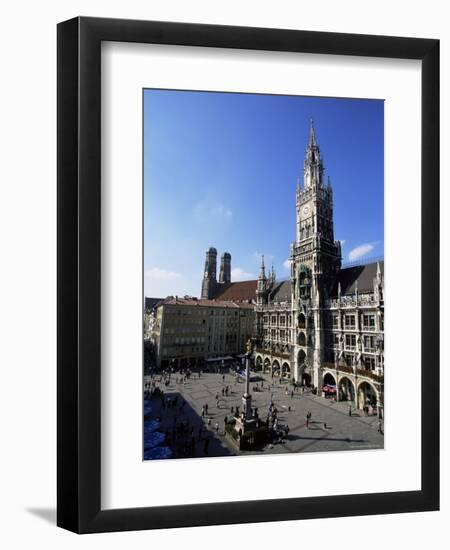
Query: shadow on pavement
[186,433]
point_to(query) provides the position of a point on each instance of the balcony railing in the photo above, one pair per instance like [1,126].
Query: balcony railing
[370,374]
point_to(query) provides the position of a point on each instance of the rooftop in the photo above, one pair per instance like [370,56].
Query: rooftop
[190,301]
[363,274]
[241,291]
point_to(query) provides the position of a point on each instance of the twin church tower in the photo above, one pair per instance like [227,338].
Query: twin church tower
[210,285]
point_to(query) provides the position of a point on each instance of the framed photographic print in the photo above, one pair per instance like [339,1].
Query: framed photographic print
[248,263]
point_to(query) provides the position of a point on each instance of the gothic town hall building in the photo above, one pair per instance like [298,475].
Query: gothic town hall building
[323,326]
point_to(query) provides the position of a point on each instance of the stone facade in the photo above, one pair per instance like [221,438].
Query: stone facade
[189,331]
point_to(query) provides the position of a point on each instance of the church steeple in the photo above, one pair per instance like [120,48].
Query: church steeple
[272,277]
[261,286]
[262,270]
[312,134]
[313,167]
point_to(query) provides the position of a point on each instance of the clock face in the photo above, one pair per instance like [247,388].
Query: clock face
[306,210]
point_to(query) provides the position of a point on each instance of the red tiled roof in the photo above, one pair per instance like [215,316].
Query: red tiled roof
[242,291]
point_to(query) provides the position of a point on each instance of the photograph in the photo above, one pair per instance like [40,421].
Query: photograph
[277,345]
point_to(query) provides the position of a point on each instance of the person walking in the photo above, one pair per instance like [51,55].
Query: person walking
[308,419]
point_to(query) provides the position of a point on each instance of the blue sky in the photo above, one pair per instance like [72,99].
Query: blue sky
[221,170]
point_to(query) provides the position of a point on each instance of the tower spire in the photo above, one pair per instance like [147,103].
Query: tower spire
[262,269]
[312,133]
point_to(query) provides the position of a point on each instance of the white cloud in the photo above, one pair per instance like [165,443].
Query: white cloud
[206,211]
[238,273]
[360,251]
[287,264]
[158,274]
[221,211]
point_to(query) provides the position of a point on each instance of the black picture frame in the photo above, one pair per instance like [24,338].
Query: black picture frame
[79,280]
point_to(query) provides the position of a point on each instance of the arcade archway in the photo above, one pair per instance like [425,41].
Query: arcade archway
[346,390]
[329,379]
[276,367]
[286,370]
[367,395]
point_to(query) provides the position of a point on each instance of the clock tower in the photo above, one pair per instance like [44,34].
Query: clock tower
[315,246]
[315,261]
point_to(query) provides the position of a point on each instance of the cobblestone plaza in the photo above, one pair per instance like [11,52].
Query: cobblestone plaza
[331,427]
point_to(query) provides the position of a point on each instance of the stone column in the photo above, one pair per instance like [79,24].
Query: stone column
[246,398]
[296,371]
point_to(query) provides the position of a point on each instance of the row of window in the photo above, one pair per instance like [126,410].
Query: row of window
[201,312]
[275,334]
[369,342]
[167,351]
[183,329]
[281,320]
[368,321]
[192,340]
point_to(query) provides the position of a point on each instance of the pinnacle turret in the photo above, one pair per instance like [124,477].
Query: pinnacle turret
[262,269]
[313,167]
[312,134]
